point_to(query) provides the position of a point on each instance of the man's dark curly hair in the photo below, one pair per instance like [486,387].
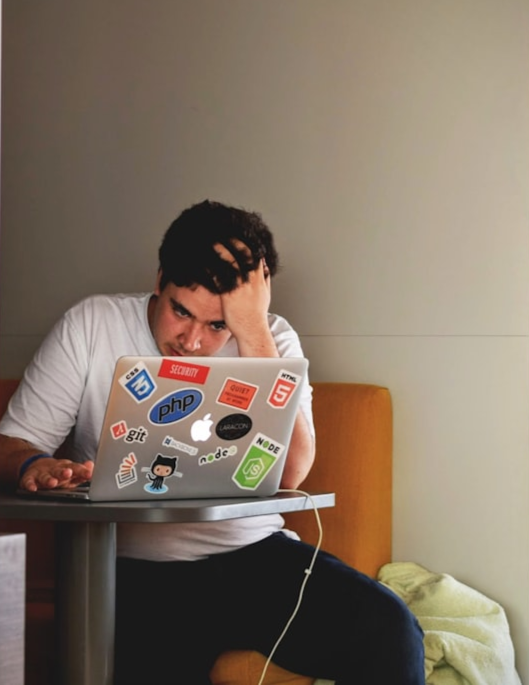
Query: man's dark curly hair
[187,255]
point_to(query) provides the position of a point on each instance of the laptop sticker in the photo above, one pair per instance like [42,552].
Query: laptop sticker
[219,453]
[168,441]
[237,394]
[138,382]
[283,389]
[176,406]
[161,468]
[139,434]
[127,473]
[118,430]
[233,427]
[257,462]
[183,371]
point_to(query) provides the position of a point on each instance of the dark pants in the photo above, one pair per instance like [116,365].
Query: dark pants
[174,618]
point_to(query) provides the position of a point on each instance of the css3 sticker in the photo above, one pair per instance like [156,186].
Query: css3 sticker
[138,382]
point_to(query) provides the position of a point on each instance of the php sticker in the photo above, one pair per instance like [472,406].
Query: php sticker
[176,406]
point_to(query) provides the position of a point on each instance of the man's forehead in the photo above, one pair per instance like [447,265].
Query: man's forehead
[199,302]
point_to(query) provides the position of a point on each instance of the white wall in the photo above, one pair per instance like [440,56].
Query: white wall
[387,144]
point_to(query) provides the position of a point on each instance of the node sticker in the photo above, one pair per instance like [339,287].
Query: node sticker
[219,453]
[237,394]
[257,462]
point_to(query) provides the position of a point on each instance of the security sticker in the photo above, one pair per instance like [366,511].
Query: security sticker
[257,462]
[283,389]
[237,394]
[138,382]
[183,371]
[127,473]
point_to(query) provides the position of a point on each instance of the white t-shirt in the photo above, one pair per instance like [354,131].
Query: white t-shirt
[64,393]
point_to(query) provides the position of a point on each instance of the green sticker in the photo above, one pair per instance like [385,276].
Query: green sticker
[257,462]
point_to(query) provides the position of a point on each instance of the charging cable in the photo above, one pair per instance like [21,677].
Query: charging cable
[307,572]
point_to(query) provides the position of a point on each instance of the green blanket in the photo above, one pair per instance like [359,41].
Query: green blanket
[466,635]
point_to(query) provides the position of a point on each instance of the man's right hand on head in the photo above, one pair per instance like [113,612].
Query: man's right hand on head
[48,473]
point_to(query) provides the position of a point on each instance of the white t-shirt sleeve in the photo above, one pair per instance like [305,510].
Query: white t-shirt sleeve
[44,408]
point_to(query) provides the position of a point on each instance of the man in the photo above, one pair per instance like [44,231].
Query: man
[187,592]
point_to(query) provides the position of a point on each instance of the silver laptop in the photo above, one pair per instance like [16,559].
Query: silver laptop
[201,427]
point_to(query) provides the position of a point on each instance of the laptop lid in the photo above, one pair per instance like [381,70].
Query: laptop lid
[198,427]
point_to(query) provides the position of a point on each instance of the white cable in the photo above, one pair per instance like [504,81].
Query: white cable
[308,571]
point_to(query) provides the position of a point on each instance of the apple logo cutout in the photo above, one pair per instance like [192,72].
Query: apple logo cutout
[201,428]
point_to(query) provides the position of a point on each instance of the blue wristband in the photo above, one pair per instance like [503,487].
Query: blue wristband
[26,464]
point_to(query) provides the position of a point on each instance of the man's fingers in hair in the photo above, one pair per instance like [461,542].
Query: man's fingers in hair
[233,256]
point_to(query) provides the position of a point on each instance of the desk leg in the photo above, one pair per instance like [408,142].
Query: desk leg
[86,594]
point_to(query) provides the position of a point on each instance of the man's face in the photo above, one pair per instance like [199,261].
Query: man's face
[187,321]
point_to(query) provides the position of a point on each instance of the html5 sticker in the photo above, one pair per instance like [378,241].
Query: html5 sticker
[283,389]
[238,394]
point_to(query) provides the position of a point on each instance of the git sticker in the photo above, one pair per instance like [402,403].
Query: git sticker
[237,394]
[257,462]
[283,389]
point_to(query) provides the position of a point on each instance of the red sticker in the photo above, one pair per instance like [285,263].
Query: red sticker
[283,389]
[119,429]
[183,371]
[237,394]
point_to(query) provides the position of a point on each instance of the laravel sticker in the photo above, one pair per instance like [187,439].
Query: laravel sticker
[283,389]
[183,371]
[237,394]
